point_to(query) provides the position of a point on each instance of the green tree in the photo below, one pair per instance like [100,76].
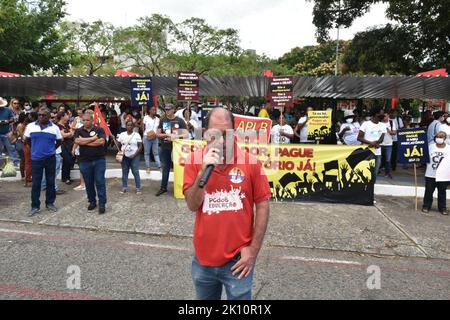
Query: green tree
[427,23]
[29,36]
[380,51]
[314,61]
[92,45]
[198,43]
[145,47]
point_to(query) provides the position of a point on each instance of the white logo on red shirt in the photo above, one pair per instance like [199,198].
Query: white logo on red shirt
[223,200]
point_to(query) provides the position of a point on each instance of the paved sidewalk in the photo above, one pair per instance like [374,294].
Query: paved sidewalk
[390,228]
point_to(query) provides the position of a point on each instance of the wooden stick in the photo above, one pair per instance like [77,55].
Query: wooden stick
[415,179]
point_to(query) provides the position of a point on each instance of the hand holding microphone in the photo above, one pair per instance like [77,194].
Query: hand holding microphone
[212,158]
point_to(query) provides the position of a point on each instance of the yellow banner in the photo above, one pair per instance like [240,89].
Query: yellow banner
[319,125]
[302,172]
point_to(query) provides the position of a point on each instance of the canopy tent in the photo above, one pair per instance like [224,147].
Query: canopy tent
[344,87]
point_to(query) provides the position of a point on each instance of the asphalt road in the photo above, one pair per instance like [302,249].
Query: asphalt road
[41,262]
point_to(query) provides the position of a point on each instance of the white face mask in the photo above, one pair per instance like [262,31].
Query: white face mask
[349,121]
[368,118]
[448,120]
[440,140]
[303,120]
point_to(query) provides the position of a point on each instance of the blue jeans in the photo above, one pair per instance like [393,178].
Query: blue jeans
[4,141]
[377,168]
[151,146]
[166,162]
[38,167]
[94,177]
[208,282]
[57,170]
[127,163]
[387,152]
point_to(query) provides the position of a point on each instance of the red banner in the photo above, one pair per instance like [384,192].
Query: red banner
[99,121]
[252,129]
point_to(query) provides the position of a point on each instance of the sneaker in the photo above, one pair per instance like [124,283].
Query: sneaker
[92,206]
[101,210]
[444,212]
[68,182]
[33,212]
[80,188]
[425,210]
[161,192]
[138,191]
[51,207]
[123,191]
[60,192]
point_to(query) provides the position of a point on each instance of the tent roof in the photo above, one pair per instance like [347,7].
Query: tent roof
[344,87]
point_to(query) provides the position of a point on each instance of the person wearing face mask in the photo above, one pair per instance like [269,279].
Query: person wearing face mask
[301,130]
[372,134]
[445,127]
[350,129]
[434,127]
[439,151]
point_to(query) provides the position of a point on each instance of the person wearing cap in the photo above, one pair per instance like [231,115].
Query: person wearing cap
[6,119]
[170,129]
[350,129]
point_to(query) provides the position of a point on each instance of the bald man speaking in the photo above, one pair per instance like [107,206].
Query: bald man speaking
[232,212]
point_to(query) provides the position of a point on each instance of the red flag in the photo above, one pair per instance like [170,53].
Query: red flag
[99,121]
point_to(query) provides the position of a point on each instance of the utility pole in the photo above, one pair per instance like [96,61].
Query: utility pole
[337,43]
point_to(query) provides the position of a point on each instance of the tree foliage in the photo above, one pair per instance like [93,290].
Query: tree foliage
[425,23]
[29,36]
[92,44]
[314,61]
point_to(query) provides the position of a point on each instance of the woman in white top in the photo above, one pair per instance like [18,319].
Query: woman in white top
[130,142]
[439,152]
[282,133]
[387,145]
[350,129]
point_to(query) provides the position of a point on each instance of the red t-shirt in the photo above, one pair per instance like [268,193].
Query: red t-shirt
[224,223]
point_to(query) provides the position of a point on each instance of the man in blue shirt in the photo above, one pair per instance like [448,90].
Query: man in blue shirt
[45,137]
[6,118]
[433,128]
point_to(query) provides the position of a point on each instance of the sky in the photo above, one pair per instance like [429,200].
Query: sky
[271,27]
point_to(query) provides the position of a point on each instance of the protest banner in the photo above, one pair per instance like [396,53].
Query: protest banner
[141,92]
[413,146]
[335,174]
[281,92]
[320,125]
[413,149]
[252,129]
[188,88]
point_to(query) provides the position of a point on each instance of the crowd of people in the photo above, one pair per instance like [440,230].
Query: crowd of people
[151,134]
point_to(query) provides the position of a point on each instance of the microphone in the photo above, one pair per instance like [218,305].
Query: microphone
[206,175]
[209,170]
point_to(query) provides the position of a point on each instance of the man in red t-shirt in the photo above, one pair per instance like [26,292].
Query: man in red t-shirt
[228,233]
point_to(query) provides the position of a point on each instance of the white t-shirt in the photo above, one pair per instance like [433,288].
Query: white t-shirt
[445,128]
[373,132]
[389,139]
[351,137]
[129,143]
[150,124]
[400,125]
[277,138]
[436,156]
[304,130]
